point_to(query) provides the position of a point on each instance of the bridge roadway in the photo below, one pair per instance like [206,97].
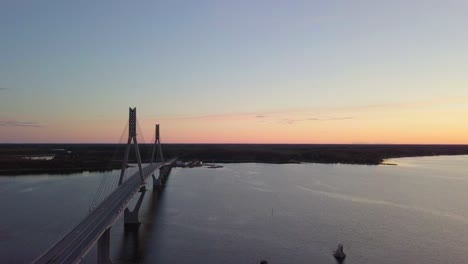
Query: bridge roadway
[80,240]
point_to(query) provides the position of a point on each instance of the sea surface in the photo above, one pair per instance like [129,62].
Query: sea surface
[414,212]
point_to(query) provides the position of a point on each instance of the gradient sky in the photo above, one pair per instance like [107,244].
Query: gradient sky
[331,71]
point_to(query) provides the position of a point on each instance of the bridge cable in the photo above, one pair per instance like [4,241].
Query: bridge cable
[105,185]
[141,143]
[146,147]
[150,148]
[111,178]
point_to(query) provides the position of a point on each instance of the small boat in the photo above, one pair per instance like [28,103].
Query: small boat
[339,253]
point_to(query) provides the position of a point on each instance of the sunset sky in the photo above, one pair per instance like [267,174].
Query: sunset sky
[330,71]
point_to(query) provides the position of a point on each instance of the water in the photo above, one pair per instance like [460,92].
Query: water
[416,212]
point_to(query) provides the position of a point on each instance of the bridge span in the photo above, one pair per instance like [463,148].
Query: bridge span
[95,227]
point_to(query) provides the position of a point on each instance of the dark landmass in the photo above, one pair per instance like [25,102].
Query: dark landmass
[67,158]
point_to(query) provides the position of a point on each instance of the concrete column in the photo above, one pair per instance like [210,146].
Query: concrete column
[125,160]
[140,169]
[162,176]
[131,217]
[157,184]
[104,248]
[164,173]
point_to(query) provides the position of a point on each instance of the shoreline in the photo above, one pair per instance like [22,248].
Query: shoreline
[65,171]
[21,159]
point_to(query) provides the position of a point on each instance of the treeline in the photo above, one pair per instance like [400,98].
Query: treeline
[66,158]
[272,153]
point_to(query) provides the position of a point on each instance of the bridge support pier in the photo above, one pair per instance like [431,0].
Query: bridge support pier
[103,253]
[160,182]
[164,173]
[157,183]
[131,217]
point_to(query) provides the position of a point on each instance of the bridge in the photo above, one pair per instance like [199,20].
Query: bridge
[95,227]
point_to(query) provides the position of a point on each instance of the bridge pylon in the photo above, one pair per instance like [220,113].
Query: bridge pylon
[132,136]
[159,182]
[96,226]
[157,144]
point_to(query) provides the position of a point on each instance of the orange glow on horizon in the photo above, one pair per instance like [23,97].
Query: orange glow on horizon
[385,126]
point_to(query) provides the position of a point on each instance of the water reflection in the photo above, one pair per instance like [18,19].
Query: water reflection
[134,244]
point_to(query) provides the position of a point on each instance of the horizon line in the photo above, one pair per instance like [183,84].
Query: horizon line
[220,143]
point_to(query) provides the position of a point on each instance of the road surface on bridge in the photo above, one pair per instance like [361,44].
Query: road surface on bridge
[80,239]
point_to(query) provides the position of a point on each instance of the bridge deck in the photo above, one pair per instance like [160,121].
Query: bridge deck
[79,241]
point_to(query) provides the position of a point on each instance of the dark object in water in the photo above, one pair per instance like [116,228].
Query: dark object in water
[214,166]
[263,262]
[339,253]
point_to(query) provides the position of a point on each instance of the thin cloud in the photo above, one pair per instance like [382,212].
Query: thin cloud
[213,116]
[14,123]
[291,121]
[3,89]
[338,118]
[434,102]
[222,116]
[343,112]
[282,117]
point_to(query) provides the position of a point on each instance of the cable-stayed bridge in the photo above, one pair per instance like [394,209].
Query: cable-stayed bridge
[95,227]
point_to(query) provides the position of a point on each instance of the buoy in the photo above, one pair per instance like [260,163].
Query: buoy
[339,253]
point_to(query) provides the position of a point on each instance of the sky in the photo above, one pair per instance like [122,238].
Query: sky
[330,71]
